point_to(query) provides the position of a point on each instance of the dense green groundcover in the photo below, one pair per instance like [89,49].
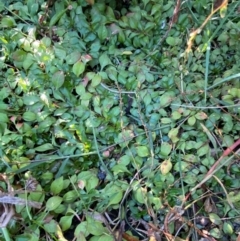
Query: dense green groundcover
[106,120]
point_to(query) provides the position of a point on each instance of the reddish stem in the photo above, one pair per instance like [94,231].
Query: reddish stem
[225,153]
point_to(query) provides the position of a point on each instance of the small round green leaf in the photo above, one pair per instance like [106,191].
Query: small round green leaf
[228,228]
[73,57]
[70,196]
[81,229]
[173,135]
[7,22]
[166,98]
[53,203]
[165,167]
[203,150]
[78,68]
[176,115]
[191,120]
[165,120]
[139,194]
[171,41]
[92,183]
[165,149]
[29,116]
[114,193]
[51,226]
[216,233]
[119,168]
[116,196]
[215,218]
[80,89]
[96,80]
[201,115]
[142,151]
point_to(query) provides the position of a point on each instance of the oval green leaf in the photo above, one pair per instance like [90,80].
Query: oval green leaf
[165,149]
[66,222]
[3,118]
[142,151]
[53,203]
[215,218]
[44,147]
[165,167]
[78,68]
[57,186]
[58,79]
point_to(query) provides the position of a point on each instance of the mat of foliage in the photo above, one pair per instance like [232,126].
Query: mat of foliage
[109,124]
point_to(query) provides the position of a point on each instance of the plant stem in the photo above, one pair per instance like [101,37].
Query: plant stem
[6,234]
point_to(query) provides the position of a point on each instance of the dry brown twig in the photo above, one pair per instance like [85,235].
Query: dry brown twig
[218,5]
[7,200]
[173,19]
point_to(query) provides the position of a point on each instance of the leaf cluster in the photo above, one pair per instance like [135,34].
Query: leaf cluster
[114,121]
